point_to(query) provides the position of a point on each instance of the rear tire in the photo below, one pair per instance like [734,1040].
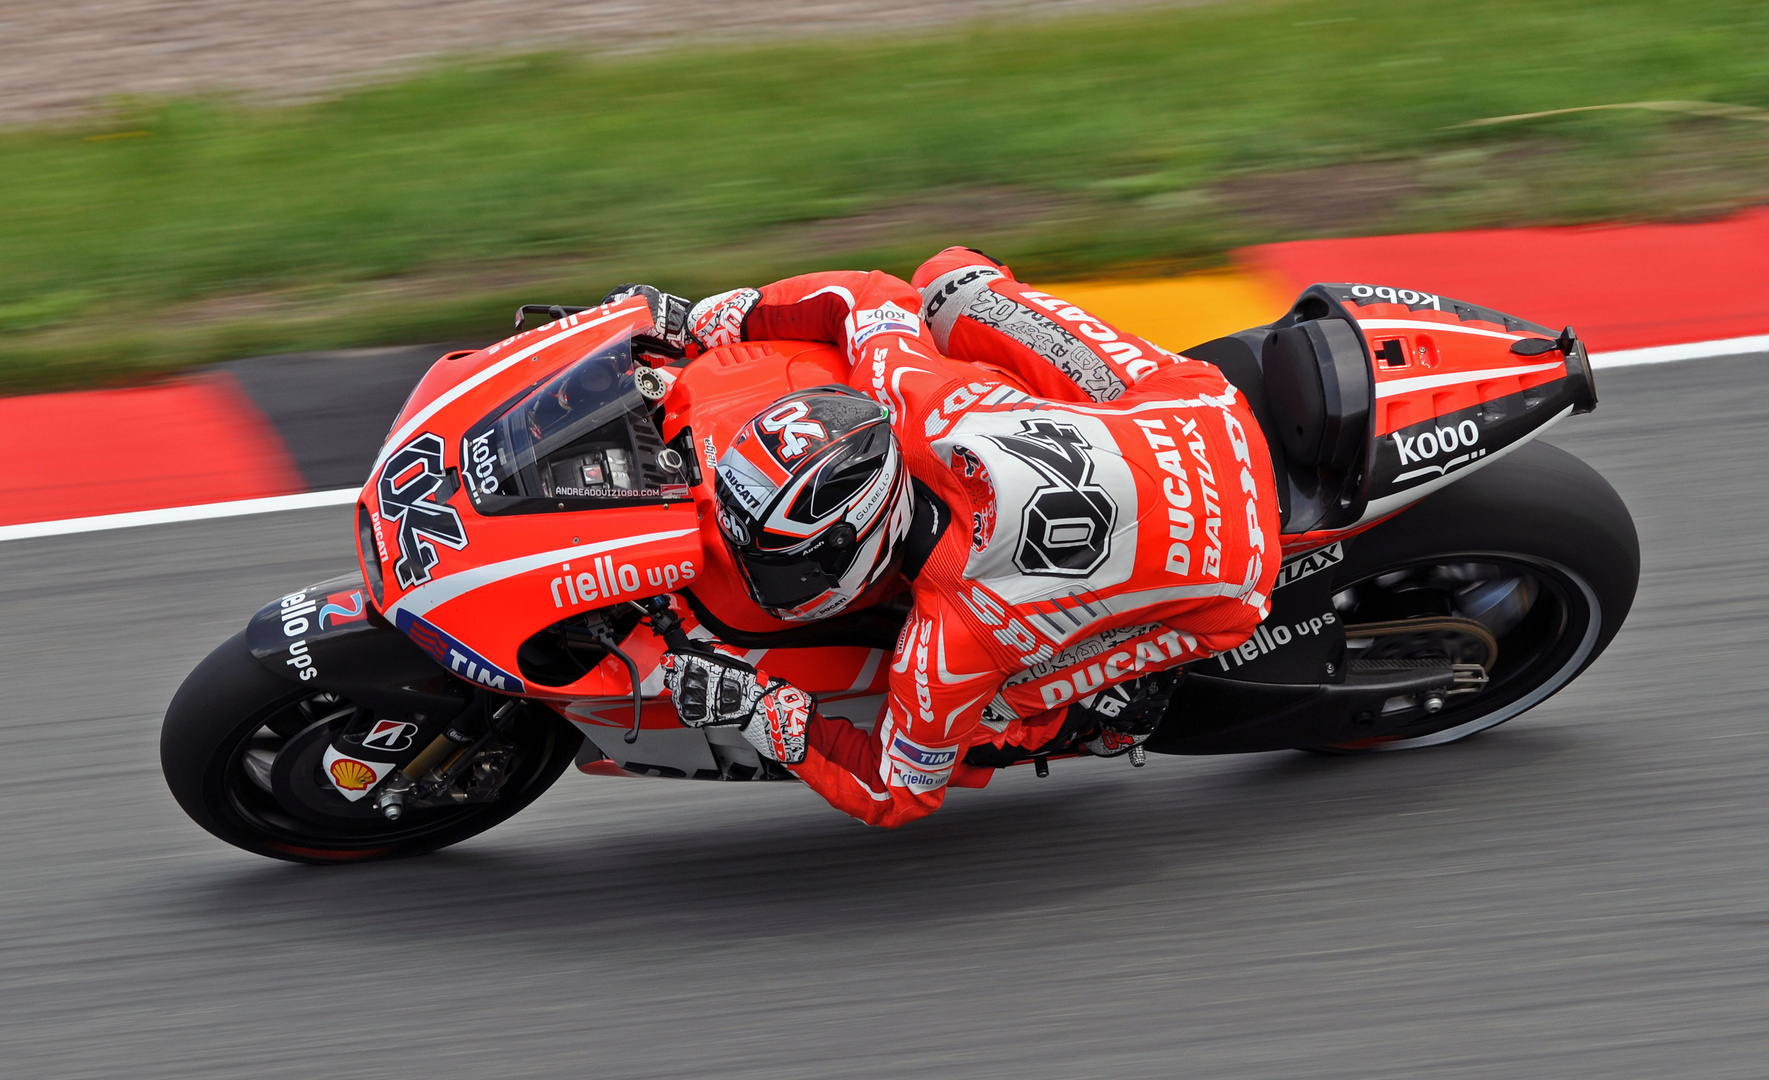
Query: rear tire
[230,705]
[1539,515]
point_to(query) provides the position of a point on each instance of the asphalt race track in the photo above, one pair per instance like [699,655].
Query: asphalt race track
[1584,892]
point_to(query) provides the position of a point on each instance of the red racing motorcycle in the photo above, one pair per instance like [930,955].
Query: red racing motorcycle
[538,529]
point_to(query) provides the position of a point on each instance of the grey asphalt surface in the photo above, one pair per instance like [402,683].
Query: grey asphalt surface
[333,437]
[1583,892]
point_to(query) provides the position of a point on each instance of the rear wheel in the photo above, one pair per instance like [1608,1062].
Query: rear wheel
[1520,574]
[241,750]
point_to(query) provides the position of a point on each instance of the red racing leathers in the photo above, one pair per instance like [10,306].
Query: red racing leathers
[1123,521]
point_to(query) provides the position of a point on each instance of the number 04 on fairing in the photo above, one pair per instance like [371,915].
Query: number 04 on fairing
[541,517]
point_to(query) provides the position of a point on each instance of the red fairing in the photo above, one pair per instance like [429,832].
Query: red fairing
[471,587]
[1092,542]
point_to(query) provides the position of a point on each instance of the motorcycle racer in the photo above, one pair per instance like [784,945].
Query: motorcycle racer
[1114,522]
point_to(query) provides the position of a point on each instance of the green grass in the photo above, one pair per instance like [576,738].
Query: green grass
[425,209]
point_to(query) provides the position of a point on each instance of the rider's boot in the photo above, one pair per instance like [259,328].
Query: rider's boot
[1119,719]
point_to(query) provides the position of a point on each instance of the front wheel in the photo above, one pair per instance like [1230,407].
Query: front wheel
[240,750]
[1521,574]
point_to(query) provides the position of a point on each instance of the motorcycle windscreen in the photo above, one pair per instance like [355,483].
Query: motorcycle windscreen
[582,439]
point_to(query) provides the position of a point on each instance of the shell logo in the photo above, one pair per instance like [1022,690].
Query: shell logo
[352,775]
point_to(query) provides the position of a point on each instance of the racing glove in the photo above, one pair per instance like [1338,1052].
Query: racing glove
[709,690]
[718,320]
[669,315]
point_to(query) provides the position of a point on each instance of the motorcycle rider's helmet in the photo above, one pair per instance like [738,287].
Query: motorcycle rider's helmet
[814,502]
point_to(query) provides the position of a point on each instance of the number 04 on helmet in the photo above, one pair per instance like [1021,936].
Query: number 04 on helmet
[815,502]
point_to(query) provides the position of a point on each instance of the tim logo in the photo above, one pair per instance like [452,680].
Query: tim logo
[457,657]
[1066,527]
[923,757]
[407,489]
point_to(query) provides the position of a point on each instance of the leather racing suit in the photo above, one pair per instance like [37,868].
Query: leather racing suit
[1118,519]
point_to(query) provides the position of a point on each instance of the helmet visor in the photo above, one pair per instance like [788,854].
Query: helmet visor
[786,581]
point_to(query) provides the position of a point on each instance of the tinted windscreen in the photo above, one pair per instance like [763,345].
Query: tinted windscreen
[583,436]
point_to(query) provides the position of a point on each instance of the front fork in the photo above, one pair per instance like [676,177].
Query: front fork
[420,761]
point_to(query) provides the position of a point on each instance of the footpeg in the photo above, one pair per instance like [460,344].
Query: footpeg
[1138,756]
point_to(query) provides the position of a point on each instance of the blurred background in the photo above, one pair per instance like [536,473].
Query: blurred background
[308,196]
[193,181]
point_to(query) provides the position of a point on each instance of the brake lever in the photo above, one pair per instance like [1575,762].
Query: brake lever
[666,625]
[614,650]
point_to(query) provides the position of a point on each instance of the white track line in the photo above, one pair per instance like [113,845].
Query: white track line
[1662,354]
[1665,354]
[203,512]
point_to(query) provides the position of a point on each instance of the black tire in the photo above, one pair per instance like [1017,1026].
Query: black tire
[1546,516]
[227,701]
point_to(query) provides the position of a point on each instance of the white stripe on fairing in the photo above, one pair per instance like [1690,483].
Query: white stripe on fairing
[449,396]
[1418,324]
[173,514]
[1664,354]
[874,657]
[427,598]
[1457,378]
[1659,354]
[1656,354]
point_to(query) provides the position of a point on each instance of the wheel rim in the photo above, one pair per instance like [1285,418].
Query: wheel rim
[320,822]
[1540,648]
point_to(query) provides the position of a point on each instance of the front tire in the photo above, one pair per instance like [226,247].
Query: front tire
[232,715]
[1540,531]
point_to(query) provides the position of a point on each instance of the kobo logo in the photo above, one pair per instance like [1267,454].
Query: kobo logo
[1427,445]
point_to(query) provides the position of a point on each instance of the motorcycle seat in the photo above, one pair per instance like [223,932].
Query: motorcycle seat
[1308,381]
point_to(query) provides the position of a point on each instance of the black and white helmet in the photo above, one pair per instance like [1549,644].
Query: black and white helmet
[815,502]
